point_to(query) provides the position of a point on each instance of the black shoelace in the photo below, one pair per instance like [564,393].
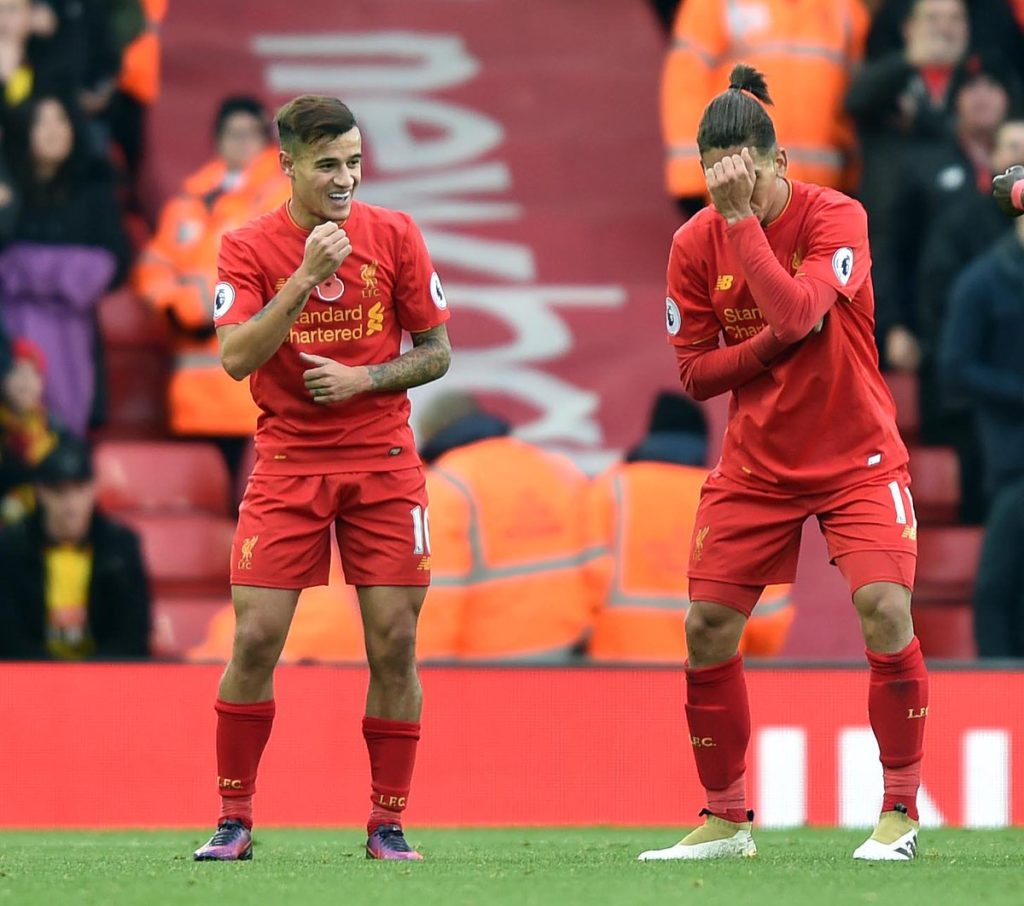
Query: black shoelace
[225,833]
[392,834]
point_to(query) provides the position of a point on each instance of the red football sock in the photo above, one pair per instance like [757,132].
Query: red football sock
[897,708]
[718,715]
[242,734]
[392,748]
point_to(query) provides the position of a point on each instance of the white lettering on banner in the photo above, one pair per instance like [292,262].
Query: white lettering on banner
[415,62]
[782,779]
[860,783]
[782,776]
[986,778]
[459,135]
[384,76]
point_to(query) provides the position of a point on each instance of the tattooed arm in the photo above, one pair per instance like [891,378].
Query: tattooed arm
[245,347]
[329,381]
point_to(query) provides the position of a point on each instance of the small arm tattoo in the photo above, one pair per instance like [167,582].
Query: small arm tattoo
[425,362]
[291,311]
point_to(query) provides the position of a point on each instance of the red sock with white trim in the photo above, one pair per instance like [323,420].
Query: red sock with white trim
[898,708]
[718,716]
[392,748]
[242,734]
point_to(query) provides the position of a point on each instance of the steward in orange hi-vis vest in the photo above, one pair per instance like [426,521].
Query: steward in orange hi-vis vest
[647,511]
[513,547]
[178,270]
[806,48]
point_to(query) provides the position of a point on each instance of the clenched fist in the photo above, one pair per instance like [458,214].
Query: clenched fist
[326,247]
[1002,190]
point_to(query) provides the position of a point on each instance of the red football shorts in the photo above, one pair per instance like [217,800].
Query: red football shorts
[284,529]
[746,538]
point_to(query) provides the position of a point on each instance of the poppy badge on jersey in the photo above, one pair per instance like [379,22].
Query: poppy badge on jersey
[223,299]
[331,289]
[673,319]
[436,292]
[842,264]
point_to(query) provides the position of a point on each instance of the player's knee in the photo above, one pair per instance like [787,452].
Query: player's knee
[257,645]
[392,648]
[712,633]
[884,609]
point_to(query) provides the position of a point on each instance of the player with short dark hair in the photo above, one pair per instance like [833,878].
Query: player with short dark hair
[312,304]
[780,269]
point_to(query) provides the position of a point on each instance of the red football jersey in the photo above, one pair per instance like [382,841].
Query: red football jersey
[821,416]
[387,285]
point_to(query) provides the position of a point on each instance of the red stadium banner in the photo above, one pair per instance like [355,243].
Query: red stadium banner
[533,165]
[132,746]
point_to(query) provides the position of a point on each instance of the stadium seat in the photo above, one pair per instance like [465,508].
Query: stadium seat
[126,320]
[136,391]
[947,562]
[186,555]
[181,623]
[166,476]
[935,484]
[904,389]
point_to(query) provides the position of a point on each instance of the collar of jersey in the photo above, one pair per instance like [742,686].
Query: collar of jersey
[301,229]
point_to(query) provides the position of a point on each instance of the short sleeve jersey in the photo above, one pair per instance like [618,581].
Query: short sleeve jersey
[387,285]
[821,417]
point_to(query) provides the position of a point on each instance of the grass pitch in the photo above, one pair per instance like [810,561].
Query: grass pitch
[503,866]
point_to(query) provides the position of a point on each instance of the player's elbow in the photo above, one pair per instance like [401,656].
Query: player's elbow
[694,389]
[444,361]
[793,331]
[235,367]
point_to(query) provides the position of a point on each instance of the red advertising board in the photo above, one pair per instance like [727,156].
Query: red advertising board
[119,746]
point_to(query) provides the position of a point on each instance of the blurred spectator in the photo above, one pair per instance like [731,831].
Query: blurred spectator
[904,95]
[67,248]
[970,227]
[993,27]
[136,29]
[665,12]
[511,548]
[805,48]
[74,584]
[75,37]
[982,355]
[999,587]
[27,67]
[646,507]
[178,270]
[929,176]
[27,434]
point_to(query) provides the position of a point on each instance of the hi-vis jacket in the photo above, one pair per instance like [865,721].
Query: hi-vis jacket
[646,510]
[806,50]
[513,557]
[177,273]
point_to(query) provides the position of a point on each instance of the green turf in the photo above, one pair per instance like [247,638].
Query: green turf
[494,867]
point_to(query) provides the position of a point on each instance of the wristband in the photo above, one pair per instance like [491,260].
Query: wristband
[1016,190]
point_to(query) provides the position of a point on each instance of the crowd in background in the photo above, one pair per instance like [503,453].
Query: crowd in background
[910,105]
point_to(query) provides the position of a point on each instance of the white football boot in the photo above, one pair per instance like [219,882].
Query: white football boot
[894,838]
[716,838]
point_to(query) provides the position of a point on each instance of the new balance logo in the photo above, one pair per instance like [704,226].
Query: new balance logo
[724,282]
[424,564]
[910,532]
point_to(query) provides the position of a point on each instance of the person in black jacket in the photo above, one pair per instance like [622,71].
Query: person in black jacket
[74,583]
[982,355]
